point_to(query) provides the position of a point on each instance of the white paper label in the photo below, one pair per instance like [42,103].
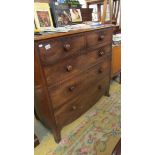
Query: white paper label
[48,46]
[40,45]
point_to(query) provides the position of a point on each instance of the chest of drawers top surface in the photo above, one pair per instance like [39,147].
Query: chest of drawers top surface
[72,71]
[55,35]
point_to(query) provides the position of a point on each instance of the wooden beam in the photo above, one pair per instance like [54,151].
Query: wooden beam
[104,11]
[111,9]
[99,12]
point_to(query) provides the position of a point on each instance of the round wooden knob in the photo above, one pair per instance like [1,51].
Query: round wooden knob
[74,107]
[101,53]
[100,70]
[71,88]
[67,47]
[101,37]
[69,68]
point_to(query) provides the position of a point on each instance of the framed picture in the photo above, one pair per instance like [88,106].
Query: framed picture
[61,14]
[76,15]
[42,16]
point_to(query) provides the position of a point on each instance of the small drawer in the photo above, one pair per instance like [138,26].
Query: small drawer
[103,37]
[75,65]
[55,49]
[76,106]
[67,90]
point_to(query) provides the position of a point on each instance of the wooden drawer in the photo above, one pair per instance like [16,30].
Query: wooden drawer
[102,37]
[81,102]
[52,50]
[74,65]
[63,92]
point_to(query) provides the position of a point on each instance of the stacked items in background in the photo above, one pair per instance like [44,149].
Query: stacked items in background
[117,39]
[66,13]
[59,13]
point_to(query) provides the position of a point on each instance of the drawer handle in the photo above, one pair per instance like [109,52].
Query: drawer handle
[100,70]
[101,53]
[71,88]
[101,37]
[69,68]
[74,107]
[67,47]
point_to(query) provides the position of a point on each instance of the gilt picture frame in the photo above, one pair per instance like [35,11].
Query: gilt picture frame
[42,17]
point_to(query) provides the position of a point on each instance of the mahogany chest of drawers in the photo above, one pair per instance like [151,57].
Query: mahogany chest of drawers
[72,71]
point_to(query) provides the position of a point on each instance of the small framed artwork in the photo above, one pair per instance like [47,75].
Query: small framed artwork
[61,14]
[42,16]
[76,15]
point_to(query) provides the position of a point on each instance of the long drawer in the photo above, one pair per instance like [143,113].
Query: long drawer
[80,103]
[74,65]
[63,92]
